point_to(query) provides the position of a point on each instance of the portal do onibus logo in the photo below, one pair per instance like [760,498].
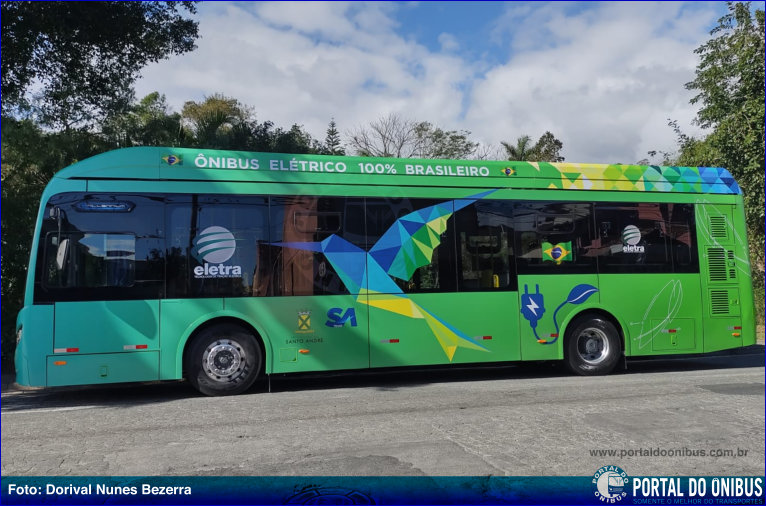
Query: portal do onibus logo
[611,484]
[215,245]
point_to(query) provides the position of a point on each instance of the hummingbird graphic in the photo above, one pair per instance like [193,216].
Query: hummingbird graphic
[407,245]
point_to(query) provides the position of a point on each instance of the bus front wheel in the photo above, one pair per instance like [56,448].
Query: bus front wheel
[224,359]
[592,346]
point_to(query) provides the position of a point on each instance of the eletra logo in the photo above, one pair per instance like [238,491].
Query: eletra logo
[215,245]
[631,236]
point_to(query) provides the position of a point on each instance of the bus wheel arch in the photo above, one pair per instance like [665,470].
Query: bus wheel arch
[223,356]
[594,343]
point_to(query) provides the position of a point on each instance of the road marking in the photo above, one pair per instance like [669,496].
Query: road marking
[30,409]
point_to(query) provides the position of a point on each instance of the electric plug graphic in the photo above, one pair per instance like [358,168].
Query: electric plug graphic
[532,306]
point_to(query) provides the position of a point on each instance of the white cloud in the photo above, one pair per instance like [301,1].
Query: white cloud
[603,79]
[448,42]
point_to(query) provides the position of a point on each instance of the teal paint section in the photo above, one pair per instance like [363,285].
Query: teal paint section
[103,368]
[111,325]
[179,318]
[54,187]
[36,324]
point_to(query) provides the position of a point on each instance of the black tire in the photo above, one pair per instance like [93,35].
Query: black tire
[223,359]
[593,346]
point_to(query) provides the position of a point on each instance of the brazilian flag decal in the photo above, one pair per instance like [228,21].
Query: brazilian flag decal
[173,159]
[561,252]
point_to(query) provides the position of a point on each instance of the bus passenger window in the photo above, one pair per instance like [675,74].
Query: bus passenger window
[485,247]
[633,237]
[554,237]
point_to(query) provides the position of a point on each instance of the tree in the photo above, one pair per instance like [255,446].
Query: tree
[78,60]
[332,143]
[146,123]
[433,142]
[521,151]
[546,149]
[395,137]
[729,84]
[218,122]
[31,156]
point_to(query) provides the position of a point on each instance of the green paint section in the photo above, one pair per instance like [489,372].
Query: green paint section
[728,311]
[297,327]
[401,340]
[554,291]
[214,165]
[659,314]
[103,368]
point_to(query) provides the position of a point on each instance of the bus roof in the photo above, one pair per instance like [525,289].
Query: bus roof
[183,164]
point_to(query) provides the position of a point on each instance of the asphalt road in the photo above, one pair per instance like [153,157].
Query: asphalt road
[529,420]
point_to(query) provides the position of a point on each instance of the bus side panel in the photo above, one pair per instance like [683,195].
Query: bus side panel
[324,333]
[107,326]
[36,324]
[178,319]
[431,329]
[727,302]
[103,368]
[660,312]
[545,303]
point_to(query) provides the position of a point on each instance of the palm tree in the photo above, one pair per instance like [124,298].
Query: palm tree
[522,151]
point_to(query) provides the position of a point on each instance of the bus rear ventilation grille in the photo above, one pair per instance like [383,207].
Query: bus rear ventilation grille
[716,258]
[718,228]
[719,302]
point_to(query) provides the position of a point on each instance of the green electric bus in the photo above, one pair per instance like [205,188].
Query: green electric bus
[221,266]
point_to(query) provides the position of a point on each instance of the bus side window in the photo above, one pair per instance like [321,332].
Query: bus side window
[307,220]
[633,237]
[554,237]
[440,274]
[485,247]
[217,245]
[683,238]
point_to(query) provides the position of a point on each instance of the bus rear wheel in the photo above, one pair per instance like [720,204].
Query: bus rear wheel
[224,359]
[592,346]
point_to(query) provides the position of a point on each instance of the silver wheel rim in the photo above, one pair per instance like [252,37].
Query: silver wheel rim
[592,346]
[224,360]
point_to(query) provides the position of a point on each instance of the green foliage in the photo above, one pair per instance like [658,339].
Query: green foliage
[147,123]
[546,149]
[32,154]
[433,142]
[81,58]
[30,158]
[729,85]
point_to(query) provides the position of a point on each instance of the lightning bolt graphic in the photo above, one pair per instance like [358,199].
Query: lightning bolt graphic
[532,306]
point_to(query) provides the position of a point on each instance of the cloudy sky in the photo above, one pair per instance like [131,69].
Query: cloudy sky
[603,77]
